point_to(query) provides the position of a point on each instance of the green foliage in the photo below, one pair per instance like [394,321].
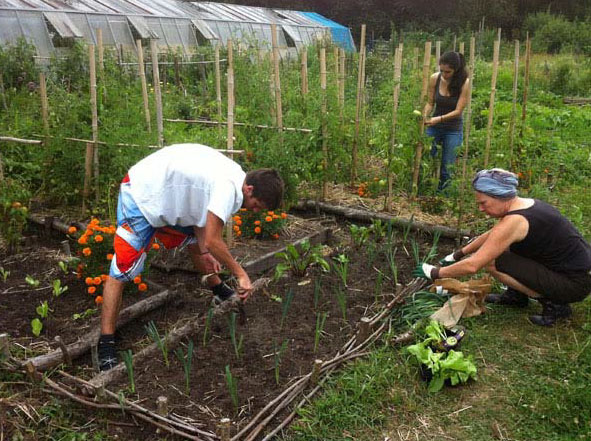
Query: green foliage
[84,315]
[187,361]
[36,327]
[320,321]
[232,384]
[236,342]
[359,235]
[152,331]
[277,355]
[262,224]
[298,261]
[58,289]
[285,304]
[128,360]
[4,274]
[13,212]
[31,281]
[341,266]
[17,65]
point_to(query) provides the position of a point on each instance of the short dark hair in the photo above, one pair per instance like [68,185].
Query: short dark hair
[267,186]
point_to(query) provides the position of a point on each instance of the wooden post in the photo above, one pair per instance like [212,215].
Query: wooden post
[3,92]
[415,59]
[337,76]
[316,371]
[94,109]
[4,345]
[142,73]
[467,128]
[44,103]
[396,97]
[324,122]
[101,51]
[177,72]
[157,92]
[230,120]
[224,429]
[358,103]
[276,78]
[514,103]
[437,52]
[525,84]
[343,76]
[419,147]
[162,405]
[87,174]
[218,89]
[461,47]
[491,106]
[304,72]
[455,41]
[364,329]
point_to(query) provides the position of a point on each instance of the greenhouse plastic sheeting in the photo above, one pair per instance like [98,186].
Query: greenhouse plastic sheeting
[63,25]
[340,34]
[141,27]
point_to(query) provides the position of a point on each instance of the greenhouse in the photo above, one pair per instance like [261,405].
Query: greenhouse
[176,25]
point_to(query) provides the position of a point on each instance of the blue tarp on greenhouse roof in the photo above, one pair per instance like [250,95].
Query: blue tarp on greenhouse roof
[341,35]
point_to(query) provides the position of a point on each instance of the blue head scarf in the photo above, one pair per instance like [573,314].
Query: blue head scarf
[496,182]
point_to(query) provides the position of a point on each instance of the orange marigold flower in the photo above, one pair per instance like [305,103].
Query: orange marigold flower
[236,228]
[72,230]
[137,279]
[87,251]
[104,277]
[98,300]
[275,236]
[257,230]
[243,209]
[109,256]
[91,289]
[238,233]
[269,219]
[283,215]
[270,213]
[155,246]
[236,218]
[89,280]
[89,232]
[257,222]
[238,222]
[83,240]
[94,221]
[142,287]
[98,238]
[97,280]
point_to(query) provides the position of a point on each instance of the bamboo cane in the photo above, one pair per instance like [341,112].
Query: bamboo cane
[514,103]
[142,73]
[177,72]
[87,174]
[525,84]
[101,63]
[437,51]
[396,97]
[419,147]
[461,47]
[342,75]
[3,92]
[323,116]
[276,78]
[44,103]
[337,76]
[455,42]
[304,72]
[218,89]
[94,110]
[230,126]
[491,106]
[157,92]
[415,59]
[358,104]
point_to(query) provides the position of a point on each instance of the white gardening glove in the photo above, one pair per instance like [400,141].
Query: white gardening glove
[426,271]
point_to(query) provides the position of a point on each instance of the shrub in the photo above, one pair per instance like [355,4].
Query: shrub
[13,212]
[261,225]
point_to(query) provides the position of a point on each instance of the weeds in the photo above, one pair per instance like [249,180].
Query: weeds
[153,333]
[298,262]
[359,235]
[232,384]
[342,301]
[392,265]
[341,267]
[186,361]
[127,357]
[320,320]
[407,229]
[433,250]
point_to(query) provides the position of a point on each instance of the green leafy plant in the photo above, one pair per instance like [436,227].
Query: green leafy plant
[127,357]
[415,251]
[88,313]
[13,212]
[298,261]
[152,331]
[320,321]
[236,342]
[359,235]
[58,289]
[277,355]
[285,304]
[260,225]
[31,281]
[63,266]
[4,274]
[36,327]
[207,329]
[232,384]
[341,267]
[186,361]
[43,309]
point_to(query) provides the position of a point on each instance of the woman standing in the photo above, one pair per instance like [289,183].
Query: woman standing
[448,92]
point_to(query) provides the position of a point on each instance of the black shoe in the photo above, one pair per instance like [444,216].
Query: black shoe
[222,293]
[107,352]
[550,313]
[509,297]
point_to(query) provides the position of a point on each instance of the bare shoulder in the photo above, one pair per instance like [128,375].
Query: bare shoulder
[433,77]
[514,226]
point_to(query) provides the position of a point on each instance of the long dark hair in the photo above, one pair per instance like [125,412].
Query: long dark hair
[456,61]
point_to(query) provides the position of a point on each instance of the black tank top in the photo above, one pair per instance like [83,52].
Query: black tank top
[444,105]
[552,240]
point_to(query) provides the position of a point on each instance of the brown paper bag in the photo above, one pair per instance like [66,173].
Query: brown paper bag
[468,300]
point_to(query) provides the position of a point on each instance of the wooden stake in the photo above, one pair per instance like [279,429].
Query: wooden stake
[87,174]
[162,405]
[358,103]
[525,84]
[415,59]
[276,78]
[491,106]
[44,103]
[157,92]
[304,72]
[324,122]
[514,103]
[316,371]
[4,345]
[177,72]
[142,74]
[437,51]
[419,147]
[396,97]
[364,329]
[224,429]
[94,109]
[230,119]
[2,92]
[337,76]
[342,75]
[461,47]
[455,41]
[101,51]
[218,89]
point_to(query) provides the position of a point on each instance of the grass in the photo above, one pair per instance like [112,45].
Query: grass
[532,384]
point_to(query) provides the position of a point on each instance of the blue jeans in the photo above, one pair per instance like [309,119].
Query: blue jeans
[449,139]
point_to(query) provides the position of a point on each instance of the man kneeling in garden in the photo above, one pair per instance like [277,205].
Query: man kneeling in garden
[182,195]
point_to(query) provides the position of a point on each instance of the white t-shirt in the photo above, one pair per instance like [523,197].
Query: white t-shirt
[179,184]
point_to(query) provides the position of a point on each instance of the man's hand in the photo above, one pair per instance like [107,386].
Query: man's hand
[210,264]
[244,287]
[426,271]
